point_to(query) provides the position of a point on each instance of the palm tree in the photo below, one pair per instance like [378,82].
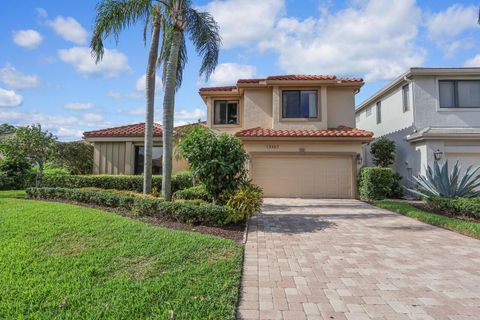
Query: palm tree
[203,32]
[113,16]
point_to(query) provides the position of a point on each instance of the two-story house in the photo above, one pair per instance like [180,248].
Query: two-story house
[432,114]
[298,130]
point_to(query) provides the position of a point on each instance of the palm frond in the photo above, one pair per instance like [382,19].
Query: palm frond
[203,31]
[112,17]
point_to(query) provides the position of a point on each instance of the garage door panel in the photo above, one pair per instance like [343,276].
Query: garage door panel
[303,176]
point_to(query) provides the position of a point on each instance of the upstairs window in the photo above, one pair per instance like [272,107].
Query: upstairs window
[299,104]
[225,112]
[459,93]
[406,97]
[379,112]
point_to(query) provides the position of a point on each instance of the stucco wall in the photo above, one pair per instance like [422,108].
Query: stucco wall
[257,105]
[428,112]
[341,110]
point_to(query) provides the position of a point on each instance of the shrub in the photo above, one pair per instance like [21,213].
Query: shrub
[218,161]
[375,183]
[383,152]
[439,182]
[119,182]
[76,157]
[194,193]
[15,173]
[193,212]
[467,207]
[245,202]
[396,191]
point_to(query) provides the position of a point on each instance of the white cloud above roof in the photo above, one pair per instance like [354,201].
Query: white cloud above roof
[29,39]
[229,73]
[16,80]
[8,98]
[113,63]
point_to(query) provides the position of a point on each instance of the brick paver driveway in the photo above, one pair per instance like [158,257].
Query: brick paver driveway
[343,259]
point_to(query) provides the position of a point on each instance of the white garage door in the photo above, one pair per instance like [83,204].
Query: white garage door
[464,159]
[304,176]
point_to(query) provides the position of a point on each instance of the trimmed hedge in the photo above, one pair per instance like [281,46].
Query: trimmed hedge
[193,193]
[191,212]
[375,183]
[467,207]
[181,180]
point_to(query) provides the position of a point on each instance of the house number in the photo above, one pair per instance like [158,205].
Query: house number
[272,146]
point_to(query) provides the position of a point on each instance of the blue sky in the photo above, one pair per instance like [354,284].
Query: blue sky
[47,75]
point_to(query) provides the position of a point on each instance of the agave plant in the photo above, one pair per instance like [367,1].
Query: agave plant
[439,182]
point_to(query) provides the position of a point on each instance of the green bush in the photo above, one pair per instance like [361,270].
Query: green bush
[197,192]
[119,182]
[383,152]
[375,183]
[396,191]
[245,202]
[467,207]
[191,212]
[15,173]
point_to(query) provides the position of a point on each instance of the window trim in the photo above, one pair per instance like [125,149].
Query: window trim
[455,95]
[237,101]
[319,107]
[378,109]
[406,97]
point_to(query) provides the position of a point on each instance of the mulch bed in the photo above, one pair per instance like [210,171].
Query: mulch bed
[423,206]
[233,232]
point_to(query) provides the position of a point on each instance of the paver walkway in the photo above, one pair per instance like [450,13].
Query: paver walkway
[344,259]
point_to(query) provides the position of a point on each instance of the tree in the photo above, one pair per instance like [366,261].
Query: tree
[203,32]
[6,128]
[32,144]
[383,152]
[76,157]
[218,161]
[113,16]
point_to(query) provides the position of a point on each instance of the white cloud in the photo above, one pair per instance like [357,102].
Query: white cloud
[41,13]
[8,98]
[141,83]
[121,96]
[17,80]
[353,41]
[69,29]
[93,117]
[243,22]
[29,39]
[229,73]
[68,133]
[139,92]
[194,115]
[113,63]
[474,62]
[79,106]
[140,111]
[452,22]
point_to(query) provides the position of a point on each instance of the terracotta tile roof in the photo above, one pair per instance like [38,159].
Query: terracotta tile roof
[131,130]
[250,80]
[227,88]
[341,131]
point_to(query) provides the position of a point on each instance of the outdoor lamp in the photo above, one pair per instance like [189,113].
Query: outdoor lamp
[438,155]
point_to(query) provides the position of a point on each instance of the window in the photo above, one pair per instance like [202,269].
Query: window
[406,97]
[157,153]
[225,112]
[379,112]
[368,112]
[299,104]
[459,93]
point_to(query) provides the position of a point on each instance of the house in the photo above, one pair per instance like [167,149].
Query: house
[299,132]
[120,150]
[432,114]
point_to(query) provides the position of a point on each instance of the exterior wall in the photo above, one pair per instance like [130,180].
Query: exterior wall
[258,108]
[117,157]
[340,110]
[427,109]
[228,128]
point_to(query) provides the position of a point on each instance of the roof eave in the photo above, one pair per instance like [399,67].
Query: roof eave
[362,139]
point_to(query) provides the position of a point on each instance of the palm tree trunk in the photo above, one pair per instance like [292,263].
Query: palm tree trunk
[168,111]
[150,95]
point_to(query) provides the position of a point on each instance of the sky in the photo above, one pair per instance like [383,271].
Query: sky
[47,74]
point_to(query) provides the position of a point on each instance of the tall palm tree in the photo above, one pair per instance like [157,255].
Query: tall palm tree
[113,16]
[182,19]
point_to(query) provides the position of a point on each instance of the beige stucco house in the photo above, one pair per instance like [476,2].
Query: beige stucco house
[297,129]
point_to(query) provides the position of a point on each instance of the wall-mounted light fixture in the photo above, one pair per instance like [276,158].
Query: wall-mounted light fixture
[438,155]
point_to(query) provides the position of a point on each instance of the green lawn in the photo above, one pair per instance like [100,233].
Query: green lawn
[468,228]
[61,261]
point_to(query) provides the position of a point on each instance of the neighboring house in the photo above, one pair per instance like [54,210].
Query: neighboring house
[298,131]
[120,150]
[431,114]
